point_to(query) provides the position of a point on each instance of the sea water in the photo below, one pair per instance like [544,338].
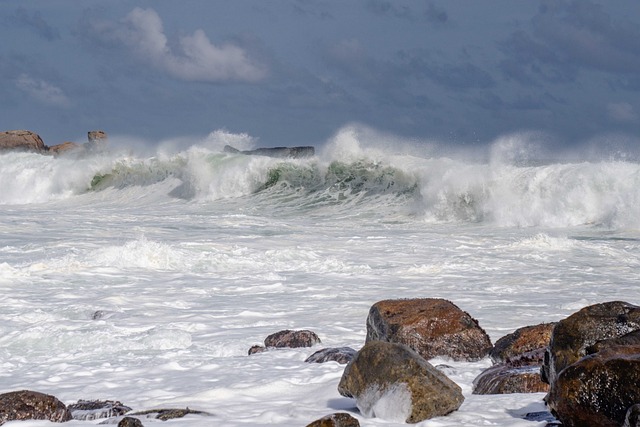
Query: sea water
[145,278]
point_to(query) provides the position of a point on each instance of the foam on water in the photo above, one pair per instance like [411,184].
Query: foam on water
[146,278]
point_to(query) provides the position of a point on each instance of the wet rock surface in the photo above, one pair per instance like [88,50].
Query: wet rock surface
[32,405]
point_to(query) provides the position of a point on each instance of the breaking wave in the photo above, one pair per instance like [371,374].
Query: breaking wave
[350,174]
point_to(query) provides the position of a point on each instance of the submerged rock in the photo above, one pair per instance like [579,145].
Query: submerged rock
[292,339]
[430,326]
[130,422]
[168,414]
[340,419]
[393,382]
[341,355]
[32,405]
[94,409]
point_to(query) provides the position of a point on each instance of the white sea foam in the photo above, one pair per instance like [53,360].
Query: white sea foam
[147,278]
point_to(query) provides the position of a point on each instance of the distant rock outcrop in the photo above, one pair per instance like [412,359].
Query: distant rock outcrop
[393,382]
[431,326]
[280,152]
[32,405]
[65,147]
[22,140]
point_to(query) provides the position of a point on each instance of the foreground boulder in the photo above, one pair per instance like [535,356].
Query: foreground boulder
[572,336]
[527,342]
[21,140]
[430,326]
[598,389]
[518,358]
[340,419]
[393,382]
[31,405]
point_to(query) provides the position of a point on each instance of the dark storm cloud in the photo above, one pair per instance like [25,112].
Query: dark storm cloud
[34,21]
[567,37]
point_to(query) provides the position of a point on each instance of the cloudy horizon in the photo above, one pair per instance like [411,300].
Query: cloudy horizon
[294,72]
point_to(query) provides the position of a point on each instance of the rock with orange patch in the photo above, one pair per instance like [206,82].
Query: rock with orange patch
[431,326]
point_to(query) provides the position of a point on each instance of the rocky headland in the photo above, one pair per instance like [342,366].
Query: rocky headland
[26,140]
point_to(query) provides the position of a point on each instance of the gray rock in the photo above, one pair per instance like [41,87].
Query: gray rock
[292,339]
[341,355]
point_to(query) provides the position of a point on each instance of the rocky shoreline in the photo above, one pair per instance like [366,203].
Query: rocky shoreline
[26,140]
[589,363]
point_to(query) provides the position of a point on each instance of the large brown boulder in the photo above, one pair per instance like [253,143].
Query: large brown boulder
[598,389]
[32,405]
[431,326]
[21,140]
[527,342]
[393,382]
[572,336]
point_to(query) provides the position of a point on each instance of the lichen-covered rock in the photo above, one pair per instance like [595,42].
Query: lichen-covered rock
[340,419]
[528,340]
[505,379]
[341,355]
[95,409]
[431,326]
[393,382]
[21,140]
[598,389]
[292,339]
[632,338]
[32,405]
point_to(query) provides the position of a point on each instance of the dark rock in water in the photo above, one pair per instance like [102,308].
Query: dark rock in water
[523,341]
[31,405]
[94,409]
[341,355]
[572,336]
[280,152]
[168,414]
[340,419]
[632,419]
[22,140]
[431,326]
[539,416]
[505,379]
[257,349]
[292,339]
[392,381]
[130,422]
[597,390]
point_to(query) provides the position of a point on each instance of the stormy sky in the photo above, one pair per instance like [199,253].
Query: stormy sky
[293,72]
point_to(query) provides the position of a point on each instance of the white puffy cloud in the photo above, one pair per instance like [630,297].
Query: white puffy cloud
[196,58]
[42,91]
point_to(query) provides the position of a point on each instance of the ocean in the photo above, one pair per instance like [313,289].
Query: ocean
[144,274]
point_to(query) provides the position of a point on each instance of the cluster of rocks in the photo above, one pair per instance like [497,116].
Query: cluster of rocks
[589,363]
[25,140]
